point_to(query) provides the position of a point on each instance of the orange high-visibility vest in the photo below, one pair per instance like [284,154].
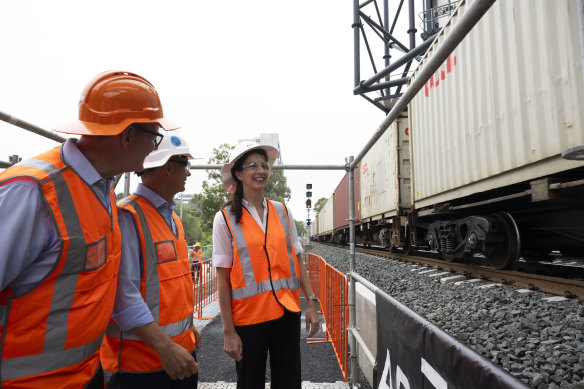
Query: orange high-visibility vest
[197,255]
[165,285]
[264,277]
[52,334]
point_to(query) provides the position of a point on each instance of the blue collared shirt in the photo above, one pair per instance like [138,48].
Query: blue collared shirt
[130,309]
[29,241]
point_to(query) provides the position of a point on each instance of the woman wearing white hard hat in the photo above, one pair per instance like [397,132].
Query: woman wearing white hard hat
[259,274]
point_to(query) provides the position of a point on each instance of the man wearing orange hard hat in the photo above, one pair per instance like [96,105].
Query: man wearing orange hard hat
[60,253]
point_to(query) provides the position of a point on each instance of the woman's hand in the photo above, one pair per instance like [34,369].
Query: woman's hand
[232,346]
[312,319]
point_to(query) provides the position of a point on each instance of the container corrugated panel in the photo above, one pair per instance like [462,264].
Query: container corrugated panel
[378,176]
[314,227]
[326,216]
[342,200]
[505,104]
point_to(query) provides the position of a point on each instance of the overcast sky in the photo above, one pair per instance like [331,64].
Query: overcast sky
[224,69]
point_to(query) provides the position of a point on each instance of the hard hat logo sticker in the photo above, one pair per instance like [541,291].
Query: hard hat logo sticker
[175,140]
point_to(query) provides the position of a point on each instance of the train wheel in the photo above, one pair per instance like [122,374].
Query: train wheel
[504,253]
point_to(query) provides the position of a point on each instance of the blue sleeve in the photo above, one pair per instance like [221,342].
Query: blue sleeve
[29,245]
[130,309]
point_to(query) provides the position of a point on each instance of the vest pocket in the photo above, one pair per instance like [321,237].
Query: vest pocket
[96,254]
[165,251]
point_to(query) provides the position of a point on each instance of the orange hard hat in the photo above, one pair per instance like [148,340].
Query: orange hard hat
[112,101]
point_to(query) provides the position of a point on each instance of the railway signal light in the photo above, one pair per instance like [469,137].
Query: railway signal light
[308,203]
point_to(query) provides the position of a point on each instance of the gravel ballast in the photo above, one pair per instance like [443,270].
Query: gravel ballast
[539,341]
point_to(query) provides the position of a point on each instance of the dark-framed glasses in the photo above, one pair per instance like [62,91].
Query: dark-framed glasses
[254,166]
[156,140]
[182,162]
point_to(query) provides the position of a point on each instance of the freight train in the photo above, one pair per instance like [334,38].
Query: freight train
[488,158]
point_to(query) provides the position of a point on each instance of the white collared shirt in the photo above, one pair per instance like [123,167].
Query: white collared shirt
[223,241]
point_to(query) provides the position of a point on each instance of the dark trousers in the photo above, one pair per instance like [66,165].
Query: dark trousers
[97,380]
[281,338]
[158,380]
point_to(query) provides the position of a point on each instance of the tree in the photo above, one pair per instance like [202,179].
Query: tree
[319,204]
[214,194]
[277,187]
[300,227]
[192,224]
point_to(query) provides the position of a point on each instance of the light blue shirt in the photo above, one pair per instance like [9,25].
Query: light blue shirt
[29,241]
[130,309]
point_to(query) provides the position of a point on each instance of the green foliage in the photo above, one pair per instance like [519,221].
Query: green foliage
[277,187]
[214,194]
[192,224]
[300,227]
[319,204]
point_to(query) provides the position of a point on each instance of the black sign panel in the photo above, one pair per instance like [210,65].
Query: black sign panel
[412,353]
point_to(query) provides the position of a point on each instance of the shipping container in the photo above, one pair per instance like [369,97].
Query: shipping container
[499,111]
[326,217]
[341,211]
[379,174]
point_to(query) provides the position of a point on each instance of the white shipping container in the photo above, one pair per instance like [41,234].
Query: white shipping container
[379,174]
[313,227]
[325,217]
[504,105]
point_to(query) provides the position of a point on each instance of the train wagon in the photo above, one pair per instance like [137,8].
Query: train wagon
[475,166]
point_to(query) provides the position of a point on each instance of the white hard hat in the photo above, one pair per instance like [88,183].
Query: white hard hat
[236,153]
[173,143]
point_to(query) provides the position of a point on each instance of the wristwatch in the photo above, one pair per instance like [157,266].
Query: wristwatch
[313,298]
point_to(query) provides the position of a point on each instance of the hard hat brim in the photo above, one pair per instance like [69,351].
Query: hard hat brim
[80,127]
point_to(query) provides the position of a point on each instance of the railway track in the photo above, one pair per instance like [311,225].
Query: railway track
[561,280]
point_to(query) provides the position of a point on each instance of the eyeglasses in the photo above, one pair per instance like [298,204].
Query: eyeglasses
[156,140]
[254,166]
[183,162]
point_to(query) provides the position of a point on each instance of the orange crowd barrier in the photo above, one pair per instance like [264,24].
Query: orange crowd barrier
[332,289]
[205,290]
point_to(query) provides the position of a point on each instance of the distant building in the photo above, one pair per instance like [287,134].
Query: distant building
[184,197]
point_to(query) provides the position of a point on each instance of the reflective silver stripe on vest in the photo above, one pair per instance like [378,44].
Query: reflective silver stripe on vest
[152,294]
[172,329]
[54,355]
[283,216]
[252,287]
[45,166]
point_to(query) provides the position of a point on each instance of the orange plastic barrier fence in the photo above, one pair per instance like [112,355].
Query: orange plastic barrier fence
[205,290]
[332,289]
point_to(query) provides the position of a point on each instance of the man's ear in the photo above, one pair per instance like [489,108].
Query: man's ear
[127,135]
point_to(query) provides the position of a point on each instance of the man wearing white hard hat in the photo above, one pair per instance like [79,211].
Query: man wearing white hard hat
[152,341]
[259,274]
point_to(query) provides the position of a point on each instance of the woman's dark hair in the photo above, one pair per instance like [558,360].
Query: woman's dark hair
[237,196]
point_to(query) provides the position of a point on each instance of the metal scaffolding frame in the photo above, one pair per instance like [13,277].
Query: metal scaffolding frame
[397,56]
